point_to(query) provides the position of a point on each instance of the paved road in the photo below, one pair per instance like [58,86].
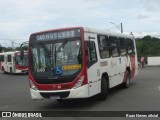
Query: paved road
[142,95]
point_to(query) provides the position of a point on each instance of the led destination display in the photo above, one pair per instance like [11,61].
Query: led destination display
[58,35]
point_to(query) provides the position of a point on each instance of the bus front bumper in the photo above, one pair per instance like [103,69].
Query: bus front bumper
[81,92]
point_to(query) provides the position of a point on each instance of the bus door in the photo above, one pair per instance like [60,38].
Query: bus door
[115,61]
[9,62]
[123,58]
[1,62]
[5,62]
[93,71]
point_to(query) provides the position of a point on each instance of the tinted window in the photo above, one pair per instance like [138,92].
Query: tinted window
[122,46]
[130,46]
[114,46]
[103,46]
[8,58]
[90,51]
[1,58]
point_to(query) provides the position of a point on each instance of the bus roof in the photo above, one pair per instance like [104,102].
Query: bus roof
[91,30]
[105,32]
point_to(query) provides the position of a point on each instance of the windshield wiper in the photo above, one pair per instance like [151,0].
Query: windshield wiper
[58,49]
[47,51]
[62,45]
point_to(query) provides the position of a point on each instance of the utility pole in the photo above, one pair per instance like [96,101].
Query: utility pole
[12,42]
[12,45]
[121,28]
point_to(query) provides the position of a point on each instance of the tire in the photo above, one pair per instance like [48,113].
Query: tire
[11,72]
[104,89]
[126,84]
[60,100]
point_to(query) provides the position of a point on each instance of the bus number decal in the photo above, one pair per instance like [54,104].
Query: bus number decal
[40,69]
[104,63]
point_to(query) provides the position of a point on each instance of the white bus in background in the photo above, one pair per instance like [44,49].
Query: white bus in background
[10,62]
[95,61]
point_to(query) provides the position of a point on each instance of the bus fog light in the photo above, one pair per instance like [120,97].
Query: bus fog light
[32,86]
[79,82]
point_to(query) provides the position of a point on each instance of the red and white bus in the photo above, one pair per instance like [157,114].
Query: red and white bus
[10,62]
[79,62]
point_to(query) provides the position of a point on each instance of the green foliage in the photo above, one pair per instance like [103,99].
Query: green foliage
[1,48]
[148,46]
[5,49]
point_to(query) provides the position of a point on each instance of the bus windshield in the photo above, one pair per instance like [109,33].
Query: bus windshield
[53,59]
[22,63]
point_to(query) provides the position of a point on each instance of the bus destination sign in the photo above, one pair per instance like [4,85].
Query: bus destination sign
[58,35]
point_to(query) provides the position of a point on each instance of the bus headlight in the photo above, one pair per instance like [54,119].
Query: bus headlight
[32,86]
[79,82]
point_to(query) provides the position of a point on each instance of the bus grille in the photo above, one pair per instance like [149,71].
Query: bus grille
[60,94]
[54,81]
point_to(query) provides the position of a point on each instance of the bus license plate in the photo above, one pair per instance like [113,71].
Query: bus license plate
[54,97]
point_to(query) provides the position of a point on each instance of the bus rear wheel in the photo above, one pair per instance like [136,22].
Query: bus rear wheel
[11,71]
[126,84]
[104,89]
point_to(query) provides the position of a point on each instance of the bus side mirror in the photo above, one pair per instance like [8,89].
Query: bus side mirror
[22,55]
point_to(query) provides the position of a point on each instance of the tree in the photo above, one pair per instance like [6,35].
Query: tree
[148,46]
[1,48]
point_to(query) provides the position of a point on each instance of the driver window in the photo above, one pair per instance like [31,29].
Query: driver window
[90,51]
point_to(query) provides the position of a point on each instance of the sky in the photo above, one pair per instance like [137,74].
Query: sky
[20,18]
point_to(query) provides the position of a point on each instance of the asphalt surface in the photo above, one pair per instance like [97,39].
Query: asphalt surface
[142,95]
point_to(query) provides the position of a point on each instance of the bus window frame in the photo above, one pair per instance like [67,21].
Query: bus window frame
[132,47]
[109,47]
[124,46]
[1,58]
[117,46]
[9,58]
[90,62]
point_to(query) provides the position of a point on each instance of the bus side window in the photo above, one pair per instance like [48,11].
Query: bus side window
[114,46]
[1,58]
[130,46]
[90,51]
[103,46]
[122,45]
[9,58]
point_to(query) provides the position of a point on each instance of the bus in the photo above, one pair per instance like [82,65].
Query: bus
[11,62]
[79,62]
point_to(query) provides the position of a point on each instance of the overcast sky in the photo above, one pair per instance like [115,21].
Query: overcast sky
[20,18]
